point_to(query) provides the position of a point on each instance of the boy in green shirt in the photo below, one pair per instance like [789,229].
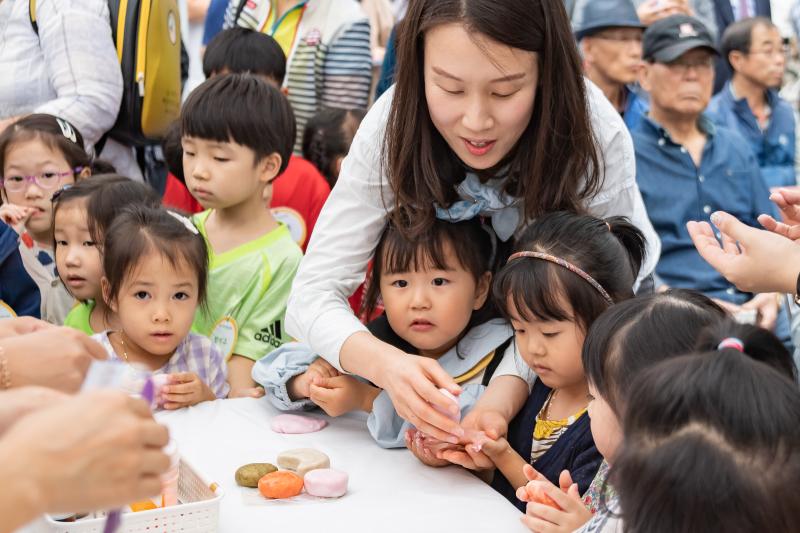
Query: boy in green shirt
[237,133]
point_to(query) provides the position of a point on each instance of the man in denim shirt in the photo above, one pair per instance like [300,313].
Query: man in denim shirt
[749,103]
[687,168]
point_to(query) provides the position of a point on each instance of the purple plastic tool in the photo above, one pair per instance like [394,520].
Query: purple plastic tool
[113,519]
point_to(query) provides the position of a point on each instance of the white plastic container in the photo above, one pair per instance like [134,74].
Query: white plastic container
[197,512]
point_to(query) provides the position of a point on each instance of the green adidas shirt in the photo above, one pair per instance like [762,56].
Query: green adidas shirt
[248,288]
[78,317]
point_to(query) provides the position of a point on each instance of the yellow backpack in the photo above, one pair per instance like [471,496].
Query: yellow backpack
[147,38]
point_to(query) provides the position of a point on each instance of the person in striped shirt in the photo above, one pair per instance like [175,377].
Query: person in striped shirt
[327,46]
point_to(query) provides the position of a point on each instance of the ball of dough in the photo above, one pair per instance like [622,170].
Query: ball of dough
[326,482]
[280,484]
[248,475]
[303,460]
[295,424]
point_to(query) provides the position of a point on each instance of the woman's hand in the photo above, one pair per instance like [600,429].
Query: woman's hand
[754,260]
[16,403]
[653,10]
[413,384]
[51,357]
[93,451]
[479,426]
[12,327]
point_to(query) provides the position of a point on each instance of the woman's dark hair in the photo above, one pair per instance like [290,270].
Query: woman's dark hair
[173,151]
[711,444]
[758,343]
[328,135]
[140,230]
[634,335]
[611,251]
[470,240]
[738,37]
[556,164]
[55,132]
[245,50]
[105,195]
[244,109]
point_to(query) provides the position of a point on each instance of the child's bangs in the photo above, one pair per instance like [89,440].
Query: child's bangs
[402,255]
[535,291]
[205,123]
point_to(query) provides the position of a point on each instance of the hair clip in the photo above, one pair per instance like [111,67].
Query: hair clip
[67,130]
[569,266]
[59,192]
[185,221]
[733,343]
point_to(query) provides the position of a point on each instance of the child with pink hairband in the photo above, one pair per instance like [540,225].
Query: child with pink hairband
[566,271]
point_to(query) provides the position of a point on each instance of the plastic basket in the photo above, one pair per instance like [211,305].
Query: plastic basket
[198,511]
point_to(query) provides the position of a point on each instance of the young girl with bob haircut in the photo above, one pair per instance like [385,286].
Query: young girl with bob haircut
[39,155]
[712,442]
[490,115]
[566,270]
[435,294]
[626,339]
[156,273]
[81,216]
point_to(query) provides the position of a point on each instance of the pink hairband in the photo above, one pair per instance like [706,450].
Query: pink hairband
[569,266]
[733,343]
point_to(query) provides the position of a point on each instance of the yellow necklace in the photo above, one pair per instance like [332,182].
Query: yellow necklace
[122,344]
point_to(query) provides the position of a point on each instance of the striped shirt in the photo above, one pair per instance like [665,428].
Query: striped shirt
[330,63]
[195,353]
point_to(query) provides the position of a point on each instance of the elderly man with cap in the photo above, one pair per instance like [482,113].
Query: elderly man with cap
[610,38]
[687,168]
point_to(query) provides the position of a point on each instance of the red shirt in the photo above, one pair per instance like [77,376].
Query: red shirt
[297,198]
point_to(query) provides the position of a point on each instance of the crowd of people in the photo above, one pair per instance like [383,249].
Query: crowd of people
[576,218]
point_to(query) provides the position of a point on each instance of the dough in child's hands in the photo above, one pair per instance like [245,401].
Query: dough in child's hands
[248,475]
[326,483]
[280,484]
[303,460]
[295,424]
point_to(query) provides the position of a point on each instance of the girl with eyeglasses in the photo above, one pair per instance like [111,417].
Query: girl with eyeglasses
[39,155]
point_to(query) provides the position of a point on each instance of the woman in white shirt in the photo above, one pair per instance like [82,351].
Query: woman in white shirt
[490,115]
[69,69]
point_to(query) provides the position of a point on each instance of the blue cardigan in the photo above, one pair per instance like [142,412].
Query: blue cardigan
[17,289]
[574,450]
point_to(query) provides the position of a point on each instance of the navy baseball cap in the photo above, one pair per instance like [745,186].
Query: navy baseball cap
[669,38]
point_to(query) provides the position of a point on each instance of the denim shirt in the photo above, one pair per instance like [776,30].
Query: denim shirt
[774,147]
[676,191]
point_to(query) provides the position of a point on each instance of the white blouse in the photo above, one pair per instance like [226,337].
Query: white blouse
[353,218]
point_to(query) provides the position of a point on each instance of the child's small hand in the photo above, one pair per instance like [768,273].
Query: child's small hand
[185,389]
[342,394]
[541,514]
[298,386]
[15,215]
[417,443]
[477,422]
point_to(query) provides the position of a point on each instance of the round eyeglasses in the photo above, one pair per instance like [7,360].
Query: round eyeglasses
[45,180]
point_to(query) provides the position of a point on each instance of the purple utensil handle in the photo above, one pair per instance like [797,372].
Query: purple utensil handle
[114,517]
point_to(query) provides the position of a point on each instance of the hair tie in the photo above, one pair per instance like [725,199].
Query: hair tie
[733,343]
[569,266]
[185,221]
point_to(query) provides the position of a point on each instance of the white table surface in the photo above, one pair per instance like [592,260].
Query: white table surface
[390,490]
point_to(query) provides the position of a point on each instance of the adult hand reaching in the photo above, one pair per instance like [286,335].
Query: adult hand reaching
[754,260]
[51,357]
[93,451]
[788,201]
